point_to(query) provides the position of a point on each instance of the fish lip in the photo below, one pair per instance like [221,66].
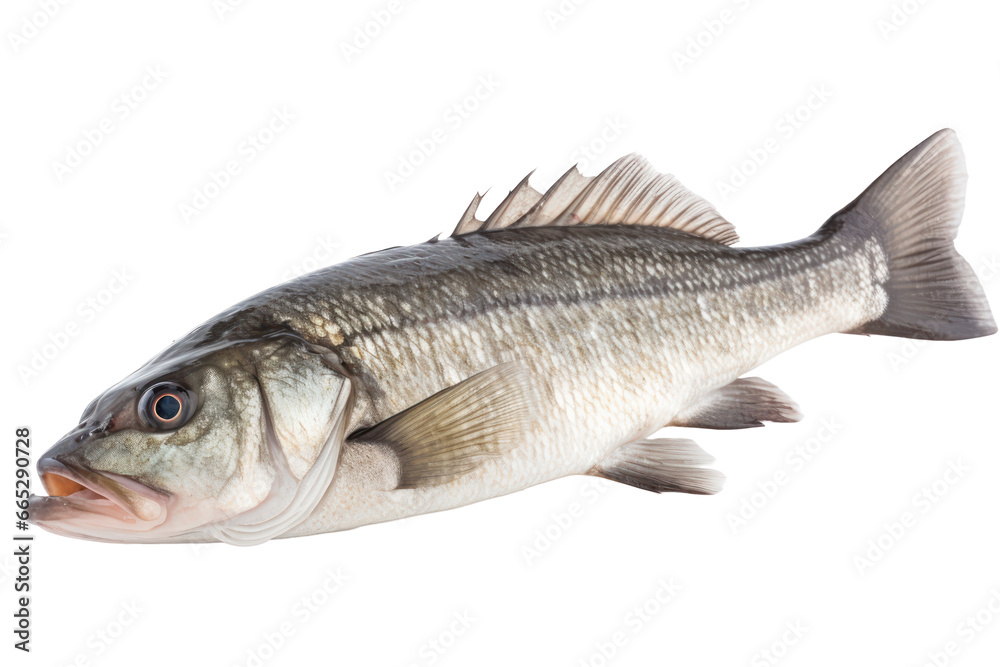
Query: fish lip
[116,489]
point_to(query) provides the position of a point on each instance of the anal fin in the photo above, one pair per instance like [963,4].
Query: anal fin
[451,433]
[743,403]
[662,465]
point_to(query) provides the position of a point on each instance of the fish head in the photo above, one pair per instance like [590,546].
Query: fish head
[236,443]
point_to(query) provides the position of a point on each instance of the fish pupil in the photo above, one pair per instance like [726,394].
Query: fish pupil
[167,407]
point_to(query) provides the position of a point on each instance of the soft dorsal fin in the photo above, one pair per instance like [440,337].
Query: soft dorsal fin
[629,192]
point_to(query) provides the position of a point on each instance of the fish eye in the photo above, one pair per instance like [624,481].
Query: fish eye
[167,405]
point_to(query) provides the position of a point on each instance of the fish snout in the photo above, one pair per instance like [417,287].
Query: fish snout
[75,484]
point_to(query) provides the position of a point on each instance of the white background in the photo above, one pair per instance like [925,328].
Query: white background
[900,412]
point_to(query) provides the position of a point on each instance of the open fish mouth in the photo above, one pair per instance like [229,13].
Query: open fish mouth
[86,503]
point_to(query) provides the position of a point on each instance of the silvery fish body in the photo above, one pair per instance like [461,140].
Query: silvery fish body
[624,326]
[552,339]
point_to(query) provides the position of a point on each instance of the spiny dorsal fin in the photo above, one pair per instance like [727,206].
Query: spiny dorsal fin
[520,200]
[469,223]
[557,199]
[629,192]
[457,429]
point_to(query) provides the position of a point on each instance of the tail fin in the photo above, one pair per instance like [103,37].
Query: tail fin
[913,210]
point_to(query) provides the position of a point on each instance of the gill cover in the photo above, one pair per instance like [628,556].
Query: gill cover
[307,400]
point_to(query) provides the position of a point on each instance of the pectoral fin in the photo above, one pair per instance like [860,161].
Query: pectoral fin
[454,431]
[743,403]
[661,465]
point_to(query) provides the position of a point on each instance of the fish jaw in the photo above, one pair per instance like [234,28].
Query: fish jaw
[92,505]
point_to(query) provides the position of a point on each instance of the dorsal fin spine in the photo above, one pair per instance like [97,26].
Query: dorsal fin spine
[628,192]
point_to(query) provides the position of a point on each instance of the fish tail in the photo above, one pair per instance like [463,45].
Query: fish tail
[913,211]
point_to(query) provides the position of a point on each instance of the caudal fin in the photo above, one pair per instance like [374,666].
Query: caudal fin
[913,210]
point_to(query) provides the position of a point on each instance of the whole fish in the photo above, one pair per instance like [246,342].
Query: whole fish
[552,338]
